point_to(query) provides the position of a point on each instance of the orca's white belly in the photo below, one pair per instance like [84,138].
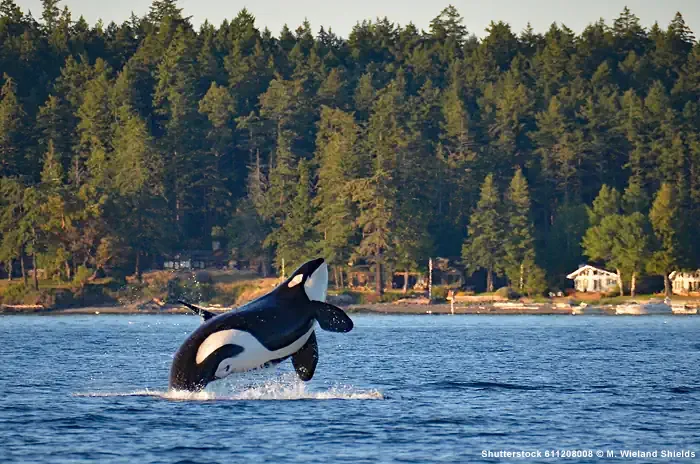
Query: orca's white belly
[254,354]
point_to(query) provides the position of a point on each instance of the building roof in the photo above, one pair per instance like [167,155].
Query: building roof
[686,274]
[578,271]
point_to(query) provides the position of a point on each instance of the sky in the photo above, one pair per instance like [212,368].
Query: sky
[342,16]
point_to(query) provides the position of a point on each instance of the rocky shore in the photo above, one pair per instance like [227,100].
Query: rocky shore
[422,307]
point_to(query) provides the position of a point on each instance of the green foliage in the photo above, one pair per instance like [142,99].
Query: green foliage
[520,244]
[484,246]
[508,293]
[440,292]
[81,278]
[14,294]
[536,280]
[618,240]
[121,144]
[665,221]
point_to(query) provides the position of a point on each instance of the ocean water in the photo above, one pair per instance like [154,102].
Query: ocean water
[418,389]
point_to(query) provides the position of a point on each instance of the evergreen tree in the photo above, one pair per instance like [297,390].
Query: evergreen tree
[519,245]
[146,137]
[599,242]
[12,132]
[665,222]
[339,163]
[297,236]
[484,245]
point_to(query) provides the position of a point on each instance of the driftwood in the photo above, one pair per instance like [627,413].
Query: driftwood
[21,308]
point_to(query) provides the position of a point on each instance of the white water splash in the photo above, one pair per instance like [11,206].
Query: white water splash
[278,389]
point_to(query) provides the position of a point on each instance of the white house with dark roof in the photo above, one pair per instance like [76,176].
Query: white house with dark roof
[592,279]
[686,282]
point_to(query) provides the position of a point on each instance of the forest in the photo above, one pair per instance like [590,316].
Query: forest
[519,155]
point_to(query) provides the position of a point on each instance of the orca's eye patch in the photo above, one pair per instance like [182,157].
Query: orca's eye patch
[296,280]
[221,362]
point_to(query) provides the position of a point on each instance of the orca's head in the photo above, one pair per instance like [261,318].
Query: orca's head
[193,369]
[312,277]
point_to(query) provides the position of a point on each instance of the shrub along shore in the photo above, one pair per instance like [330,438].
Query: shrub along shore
[157,293]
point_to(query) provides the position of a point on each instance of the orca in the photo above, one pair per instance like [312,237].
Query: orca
[264,332]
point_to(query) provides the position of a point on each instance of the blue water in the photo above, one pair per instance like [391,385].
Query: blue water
[395,389]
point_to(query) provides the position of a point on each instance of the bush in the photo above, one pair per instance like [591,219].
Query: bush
[15,294]
[190,290]
[440,293]
[508,292]
[536,281]
[613,292]
[203,277]
[81,278]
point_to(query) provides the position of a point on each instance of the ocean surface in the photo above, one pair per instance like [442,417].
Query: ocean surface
[418,389]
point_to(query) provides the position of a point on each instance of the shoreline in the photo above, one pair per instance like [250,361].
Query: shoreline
[503,309]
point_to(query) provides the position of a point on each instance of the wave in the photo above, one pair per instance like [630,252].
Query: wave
[455,385]
[684,389]
[270,390]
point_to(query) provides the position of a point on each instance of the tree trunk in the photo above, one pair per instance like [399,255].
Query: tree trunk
[619,282]
[405,281]
[24,271]
[9,269]
[378,278]
[342,277]
[521,284]
[137,266]
[489,280]
[667,286]
[36,272]
[68,272]
[336,279]
[263,264]
[633,284]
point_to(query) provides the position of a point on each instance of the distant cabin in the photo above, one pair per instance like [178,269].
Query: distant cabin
[685,283]
[196,259]
[591,279]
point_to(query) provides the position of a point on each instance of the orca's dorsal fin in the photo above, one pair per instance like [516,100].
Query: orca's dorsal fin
[331,318]
[206,315]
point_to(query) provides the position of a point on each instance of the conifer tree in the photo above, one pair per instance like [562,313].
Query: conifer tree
[296,237]
[665,222]
[376,194]
[604,217]
[519,245]
[12,132]
[339,164]
[484,245]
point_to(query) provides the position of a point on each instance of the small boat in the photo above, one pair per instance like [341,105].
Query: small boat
[683,309]
[586,310]
[644,309]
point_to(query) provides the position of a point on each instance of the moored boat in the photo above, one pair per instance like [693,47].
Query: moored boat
[644,309]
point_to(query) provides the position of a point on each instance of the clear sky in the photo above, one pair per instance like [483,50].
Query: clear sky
[341,16]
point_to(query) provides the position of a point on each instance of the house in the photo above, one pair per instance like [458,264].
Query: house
[684,283]
[196,259]
[592,279]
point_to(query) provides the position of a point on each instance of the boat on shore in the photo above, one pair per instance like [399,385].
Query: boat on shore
[644,309]
[683,309]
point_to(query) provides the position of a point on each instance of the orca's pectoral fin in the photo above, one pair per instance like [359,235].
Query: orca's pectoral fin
[206,315]
[305,360]
[332,318]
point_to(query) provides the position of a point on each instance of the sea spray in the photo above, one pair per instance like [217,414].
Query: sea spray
[283,388]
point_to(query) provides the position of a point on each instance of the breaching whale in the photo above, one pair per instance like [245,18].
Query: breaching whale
[263,332]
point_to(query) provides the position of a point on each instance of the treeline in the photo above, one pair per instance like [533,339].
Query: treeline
[123,142]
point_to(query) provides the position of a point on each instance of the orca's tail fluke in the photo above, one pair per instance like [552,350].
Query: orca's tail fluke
[331,318]
[206,315]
